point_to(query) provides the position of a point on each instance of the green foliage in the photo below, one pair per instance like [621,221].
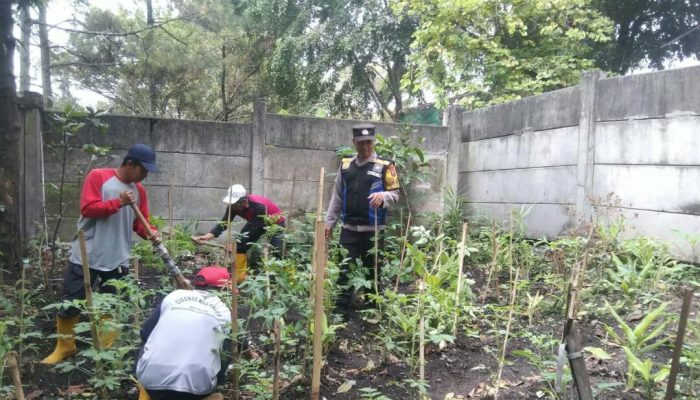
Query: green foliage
[540,355]
[496,51]
[648,33]
[639,341]
[690,360]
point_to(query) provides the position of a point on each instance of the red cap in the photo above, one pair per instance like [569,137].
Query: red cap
[212,276]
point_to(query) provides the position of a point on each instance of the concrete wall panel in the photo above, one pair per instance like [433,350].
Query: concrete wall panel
[298,164]
[183,136]
[536,185]
[550,220]
[650,95]
[550,110]
[665,227]
[668,141]
[555,147]
[181,169]
[329,134]
[648,187]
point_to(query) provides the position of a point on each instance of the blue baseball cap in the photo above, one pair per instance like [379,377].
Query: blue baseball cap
[144,155]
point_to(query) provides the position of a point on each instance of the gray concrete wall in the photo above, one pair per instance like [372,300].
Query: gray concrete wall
[296,148]
[647,163]
[198,160]
[277,156]
[623,146]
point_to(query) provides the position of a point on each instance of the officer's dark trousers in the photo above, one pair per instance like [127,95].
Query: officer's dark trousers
[359,246]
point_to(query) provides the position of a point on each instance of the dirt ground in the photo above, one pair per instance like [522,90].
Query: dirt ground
[460,370]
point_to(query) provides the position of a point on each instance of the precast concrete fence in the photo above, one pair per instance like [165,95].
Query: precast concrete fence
[612,147]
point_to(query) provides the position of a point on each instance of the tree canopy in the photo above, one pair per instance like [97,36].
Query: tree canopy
[209,59]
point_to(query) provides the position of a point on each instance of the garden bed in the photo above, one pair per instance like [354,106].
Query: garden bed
[375,354]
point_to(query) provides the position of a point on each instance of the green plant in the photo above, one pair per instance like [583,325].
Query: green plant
[690,359]
[109,368]
[639,341]
[65,126]
[372,394]
[532,303]
[539,355]
[643,369]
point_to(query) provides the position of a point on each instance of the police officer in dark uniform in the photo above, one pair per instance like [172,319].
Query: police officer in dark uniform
[364,187]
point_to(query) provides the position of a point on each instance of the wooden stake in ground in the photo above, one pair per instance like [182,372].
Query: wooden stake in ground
[235,373]
[462,251]
[578,364]
[319,263]
[403,252]
[88,290]
[421,330]
[135,265]
[276,360]
[376,259]
[678,345]
[16,379]
[501,361]
[171,189]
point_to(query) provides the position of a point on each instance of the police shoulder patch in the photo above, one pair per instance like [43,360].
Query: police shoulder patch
[346,162]
[382,161]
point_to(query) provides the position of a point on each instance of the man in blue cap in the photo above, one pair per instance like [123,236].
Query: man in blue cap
[107,219]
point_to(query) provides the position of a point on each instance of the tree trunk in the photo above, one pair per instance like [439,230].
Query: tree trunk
[10,246]
[224,102]
[45,46]
[24,50]
[152,89]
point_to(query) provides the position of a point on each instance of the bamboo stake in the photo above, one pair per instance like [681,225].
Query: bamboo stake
[462,250]
[403,251]
[288,228]
[21,310]
[88,290]
[319,270]
[170,207]
[577,364]
[234,323]
[494,262]
[421,329]
[276,361]
[513,294]
[678,346]
[136,264]
[376,260]
[13,363]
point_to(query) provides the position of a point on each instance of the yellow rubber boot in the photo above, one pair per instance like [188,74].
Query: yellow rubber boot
[108,333]
[241,267]
[143,394]
[65,344]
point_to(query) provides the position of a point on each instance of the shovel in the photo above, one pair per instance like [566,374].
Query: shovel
[159,248]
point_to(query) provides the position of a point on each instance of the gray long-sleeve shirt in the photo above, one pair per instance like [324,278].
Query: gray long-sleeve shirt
[335,207]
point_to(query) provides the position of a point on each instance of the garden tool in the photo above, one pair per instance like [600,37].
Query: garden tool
[143,394]
[162,252]
[65,343]
[107,335]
